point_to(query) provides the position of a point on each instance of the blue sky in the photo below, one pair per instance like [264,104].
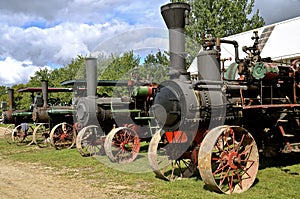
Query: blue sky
[35,34]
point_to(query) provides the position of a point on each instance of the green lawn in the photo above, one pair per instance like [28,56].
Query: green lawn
[277,178]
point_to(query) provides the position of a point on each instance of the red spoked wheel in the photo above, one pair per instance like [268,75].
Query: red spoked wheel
[41,135]
[21,137]
[90,141]
[122,145]
[228,159]
[170,161]
[63,136]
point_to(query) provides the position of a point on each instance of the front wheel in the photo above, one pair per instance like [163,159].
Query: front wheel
[23,136]
[41,135]
[8,134]
[90,141]
[170,160]
[228,159]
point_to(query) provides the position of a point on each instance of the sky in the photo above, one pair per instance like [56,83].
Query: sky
[39,34]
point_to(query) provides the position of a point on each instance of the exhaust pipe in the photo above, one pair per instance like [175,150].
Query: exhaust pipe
[91,75]
[175,16]
[10,93]
[45,92]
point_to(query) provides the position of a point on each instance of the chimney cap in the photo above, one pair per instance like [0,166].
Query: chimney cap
[178,5]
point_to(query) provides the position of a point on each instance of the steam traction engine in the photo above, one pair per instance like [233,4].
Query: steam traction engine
[22,133]
[114,125]
[54,119]
[212,123]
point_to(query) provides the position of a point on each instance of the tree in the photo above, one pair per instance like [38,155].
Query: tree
[4,97]
[42,74]
[116,67]
[22,101]
[221,17]
[119,67]
[155,67]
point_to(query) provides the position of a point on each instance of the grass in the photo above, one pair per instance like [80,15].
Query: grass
[277,178]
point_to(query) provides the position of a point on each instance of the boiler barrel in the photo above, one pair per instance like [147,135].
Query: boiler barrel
[208,66]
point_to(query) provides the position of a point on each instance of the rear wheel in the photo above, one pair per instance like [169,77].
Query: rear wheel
[22,137]
[228,159]
[63,136]
[122,145]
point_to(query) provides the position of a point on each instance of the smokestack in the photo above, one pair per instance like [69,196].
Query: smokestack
[91,75]
[10,93]
[45,92]
[176,17]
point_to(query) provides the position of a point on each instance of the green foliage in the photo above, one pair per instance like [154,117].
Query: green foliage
[42,74]
[3,97]
[117,67]
[155,68]
[3,92]
[22,101]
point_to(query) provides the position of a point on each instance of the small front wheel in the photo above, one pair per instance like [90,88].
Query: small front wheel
[8,136]
[41,135]
[90,141]
[169,160]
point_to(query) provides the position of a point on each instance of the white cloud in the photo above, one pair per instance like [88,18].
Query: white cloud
[58,44]
[53,32]
[135,39]
[80,11]
[15,72]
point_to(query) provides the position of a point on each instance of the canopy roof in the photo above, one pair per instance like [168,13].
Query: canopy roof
[100,82]
[39,89]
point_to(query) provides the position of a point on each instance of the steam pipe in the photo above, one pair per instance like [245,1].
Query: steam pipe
[294,69]
[236,48]
[10,93]
[45,92]
[175,16]
[91,75]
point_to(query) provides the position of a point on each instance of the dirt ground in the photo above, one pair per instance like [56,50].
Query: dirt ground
[25,180]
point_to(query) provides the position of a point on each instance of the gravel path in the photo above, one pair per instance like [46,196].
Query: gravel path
[34,181]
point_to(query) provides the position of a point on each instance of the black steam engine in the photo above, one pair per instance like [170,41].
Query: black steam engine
[44,114]
[54,119]
[220,123]
[12,116]
[114,125]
